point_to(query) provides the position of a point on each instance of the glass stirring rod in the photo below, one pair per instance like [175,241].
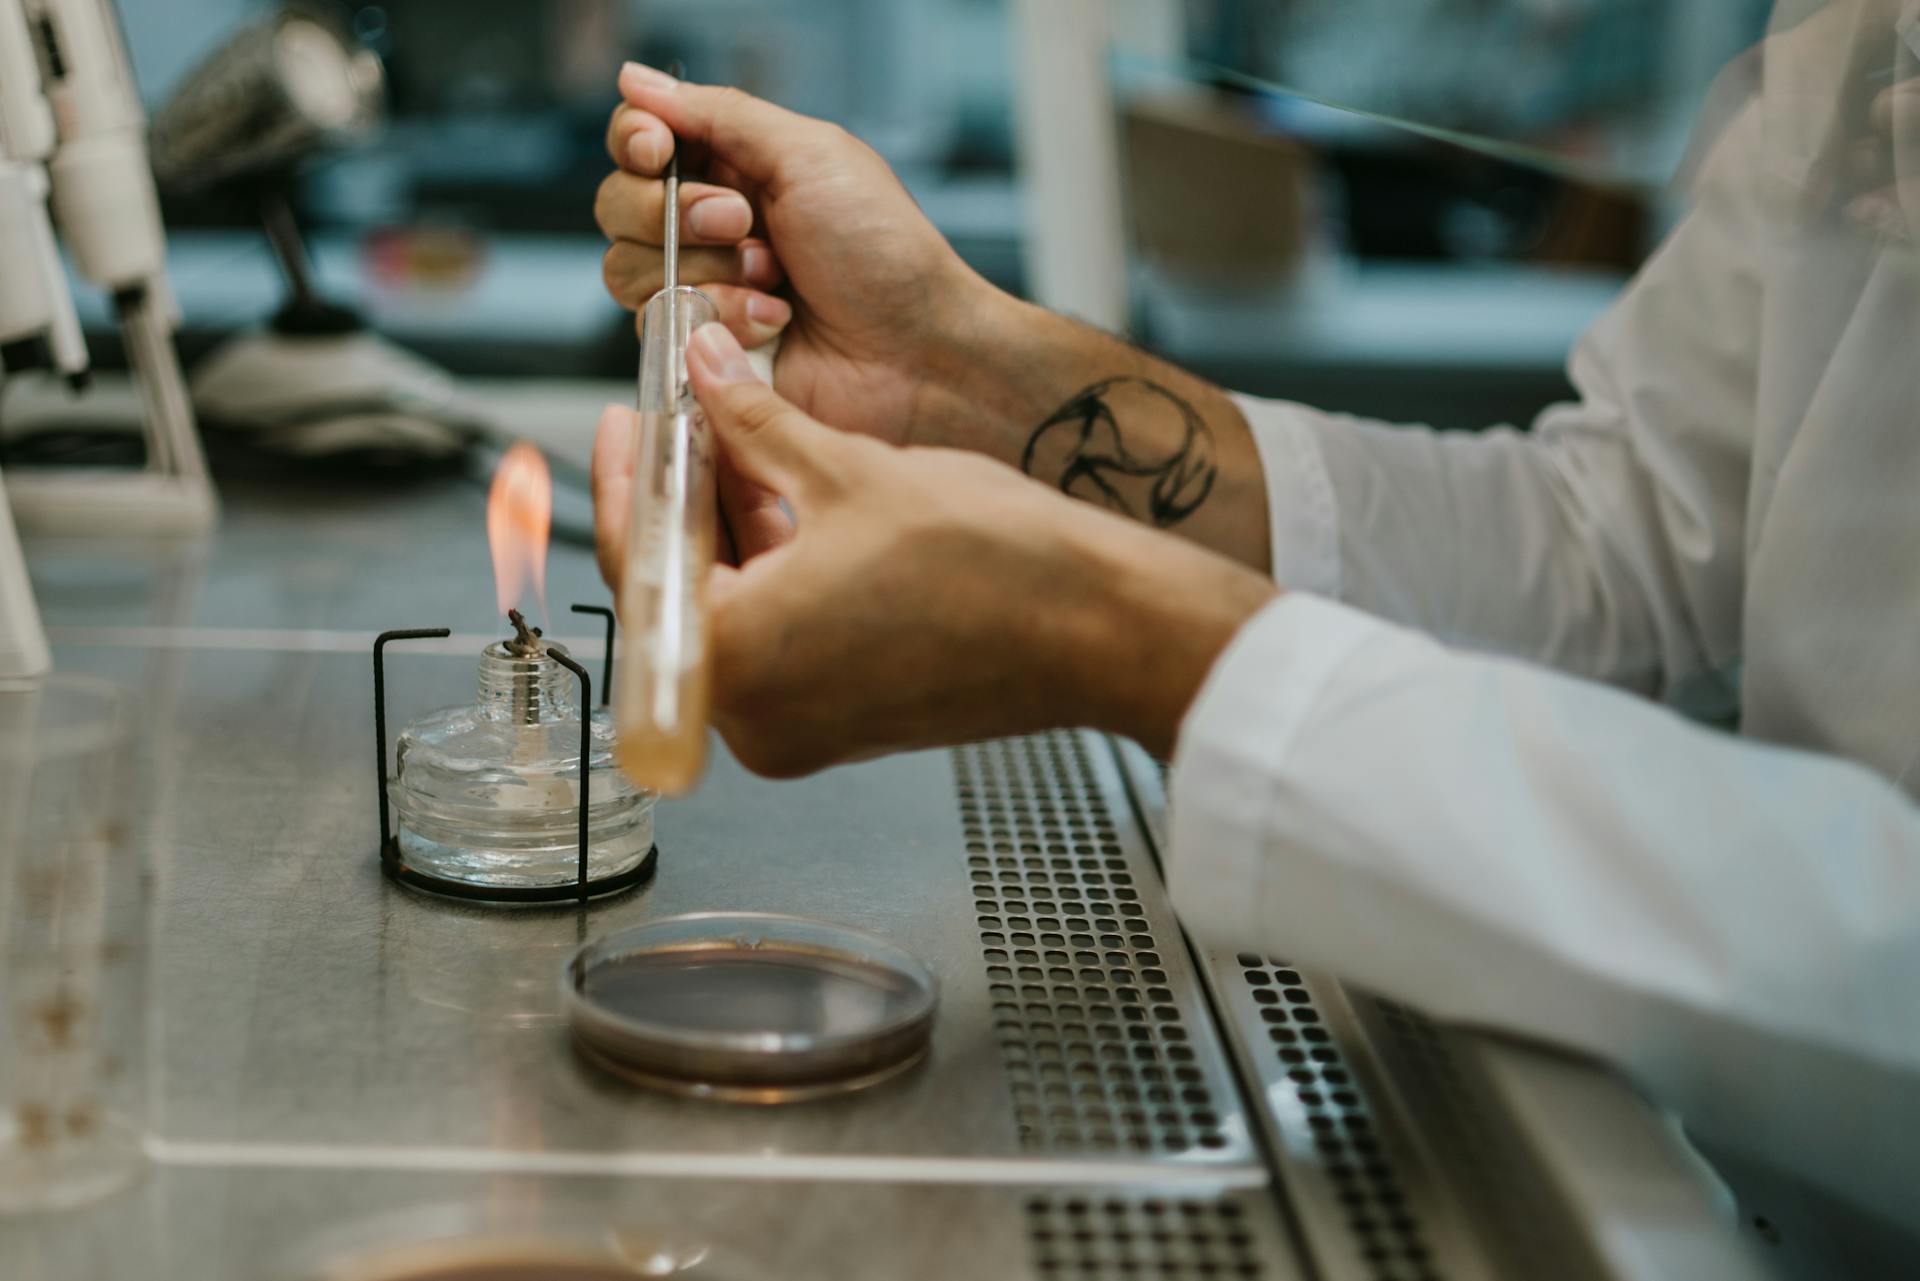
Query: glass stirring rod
[661,689]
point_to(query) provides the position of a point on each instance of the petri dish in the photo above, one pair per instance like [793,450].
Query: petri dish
[538,1239]
[749,1007]
[502,1259]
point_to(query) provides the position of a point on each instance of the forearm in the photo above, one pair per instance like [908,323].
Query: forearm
[1128,647]
[1100,420]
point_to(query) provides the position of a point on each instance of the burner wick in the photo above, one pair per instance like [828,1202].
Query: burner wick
[526,640]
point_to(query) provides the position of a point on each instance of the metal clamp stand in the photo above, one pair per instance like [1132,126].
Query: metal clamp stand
[580,890]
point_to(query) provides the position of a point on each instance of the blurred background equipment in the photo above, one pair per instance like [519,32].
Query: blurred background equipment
[23,641]
[37,320]
[1491,172]
[1410,208]
[276,92]
[72,143]
[316,380]
[103,203]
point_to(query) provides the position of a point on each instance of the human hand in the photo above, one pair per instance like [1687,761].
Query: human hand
[921,597]
[888,333]
[878,296]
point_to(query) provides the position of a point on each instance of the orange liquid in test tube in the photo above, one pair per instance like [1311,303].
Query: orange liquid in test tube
[662,692]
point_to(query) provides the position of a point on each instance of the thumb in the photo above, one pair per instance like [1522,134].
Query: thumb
[768,440]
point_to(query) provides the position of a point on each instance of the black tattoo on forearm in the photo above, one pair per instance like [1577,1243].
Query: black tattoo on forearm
[1106,463]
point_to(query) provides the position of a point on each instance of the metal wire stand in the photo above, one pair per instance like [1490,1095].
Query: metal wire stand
[580,890]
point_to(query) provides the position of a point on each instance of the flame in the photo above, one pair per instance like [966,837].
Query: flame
[519,517]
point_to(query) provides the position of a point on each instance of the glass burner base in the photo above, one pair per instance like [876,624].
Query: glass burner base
[520,869]
[566,890]
[488,796]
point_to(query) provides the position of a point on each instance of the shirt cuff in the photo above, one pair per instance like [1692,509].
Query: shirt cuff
[1227,764]
[1302,517]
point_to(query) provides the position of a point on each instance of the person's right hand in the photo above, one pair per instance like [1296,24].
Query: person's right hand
[878,296]
[918,597]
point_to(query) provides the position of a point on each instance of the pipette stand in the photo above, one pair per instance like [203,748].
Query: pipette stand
[23,642]
[170,495]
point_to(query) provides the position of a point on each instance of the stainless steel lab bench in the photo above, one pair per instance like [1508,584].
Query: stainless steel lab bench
[339,1061]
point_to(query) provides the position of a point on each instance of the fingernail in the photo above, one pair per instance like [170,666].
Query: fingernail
[757,265]
[767,315]
[640,76]
[720,218]
[724,358]
[644,150]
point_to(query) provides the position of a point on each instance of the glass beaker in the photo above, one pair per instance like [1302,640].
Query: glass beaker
[73,945]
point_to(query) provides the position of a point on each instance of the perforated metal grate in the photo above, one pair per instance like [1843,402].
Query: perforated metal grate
[1097,1052]
[1124,1239]
[1375,1206]
[1529,1228]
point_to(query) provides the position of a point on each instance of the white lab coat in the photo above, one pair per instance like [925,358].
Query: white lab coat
[1399,787]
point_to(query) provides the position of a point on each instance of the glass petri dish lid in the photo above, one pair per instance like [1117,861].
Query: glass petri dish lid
[536,1239]
[749,1007]
[485,1259]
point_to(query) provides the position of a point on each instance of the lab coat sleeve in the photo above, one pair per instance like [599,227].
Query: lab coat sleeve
[1734,923]
[1609,541]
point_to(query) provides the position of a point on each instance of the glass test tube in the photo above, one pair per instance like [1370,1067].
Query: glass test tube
[660,686]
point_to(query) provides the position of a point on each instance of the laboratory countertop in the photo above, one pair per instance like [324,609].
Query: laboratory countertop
[316,1023]
[338,1062]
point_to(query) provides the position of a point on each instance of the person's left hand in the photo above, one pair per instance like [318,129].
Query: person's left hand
[922,597]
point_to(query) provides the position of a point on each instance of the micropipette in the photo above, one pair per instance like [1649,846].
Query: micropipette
[661,691]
